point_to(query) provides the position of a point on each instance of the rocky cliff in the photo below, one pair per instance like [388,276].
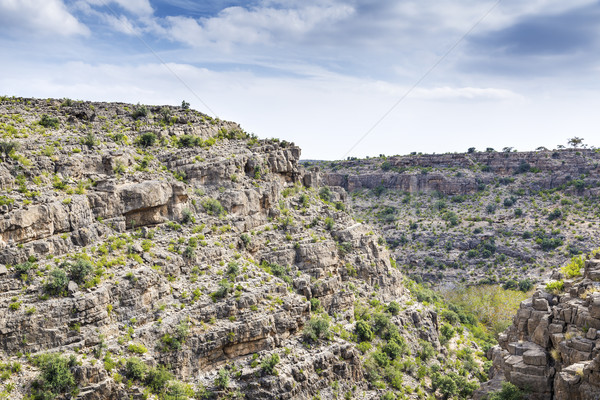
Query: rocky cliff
[427,173]
[155,252]
[552,350]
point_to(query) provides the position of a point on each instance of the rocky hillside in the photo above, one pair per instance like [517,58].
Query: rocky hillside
[155,252]
[480,217]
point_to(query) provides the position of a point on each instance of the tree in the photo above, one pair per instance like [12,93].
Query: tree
[471,150]
[575,141]
[507,149]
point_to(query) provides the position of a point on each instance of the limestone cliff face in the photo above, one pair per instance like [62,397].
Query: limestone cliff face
[205,246]
[552,347]
[425,173]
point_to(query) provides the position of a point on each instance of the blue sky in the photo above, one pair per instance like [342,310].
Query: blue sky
[323,73]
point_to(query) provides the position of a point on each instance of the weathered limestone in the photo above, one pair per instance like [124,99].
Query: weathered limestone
[552,347]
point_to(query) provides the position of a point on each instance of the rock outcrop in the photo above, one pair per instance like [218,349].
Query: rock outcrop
[551,350]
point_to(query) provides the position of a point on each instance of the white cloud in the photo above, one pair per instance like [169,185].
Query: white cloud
[260,25]
[121,24]
[39,17]
[136,7]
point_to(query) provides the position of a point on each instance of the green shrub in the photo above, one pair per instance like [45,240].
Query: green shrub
[389,396]
[574,267]
[555,287]
[189,141]
[80,270]
[135,369]
[392,349]
[427,351]
[381,358]
[508,392]
[213,207]
[554,214]
[224,288]
[7,148]
[268,364]
[174,341]
[447,332]
[180,391]
[328,223]
[381,323]
[147,139]
[525,285]
[315,304]
[245,238]
[137,348]
[24,268]
[49,122]
[89,140]
[57,282]
[140,111]
[157,378]
[55,378]
[325,193]
[187,216]
[363,331]
[317,328]
[222,379]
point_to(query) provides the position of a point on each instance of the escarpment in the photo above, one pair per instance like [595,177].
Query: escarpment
[426,173]
[163,241]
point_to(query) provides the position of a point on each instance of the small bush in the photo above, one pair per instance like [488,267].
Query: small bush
[140,111]
[555,287]
[137,348]
[213,207]
[268,364]
[189,141]
[222,379]
[508,392]
[80,271]
[135,369]
[317,328]
[224,288]
[554,214]
[328,223]
[157,378]
[57,282]
[574,267]
[56,377]
[7,148]
[147,139]
[427,351]
[315,304]
[49,122]
[174,341]
[325,193]
[363,331]
[393,350]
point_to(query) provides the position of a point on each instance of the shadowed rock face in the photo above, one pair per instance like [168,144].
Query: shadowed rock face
[552,347]
[204,253]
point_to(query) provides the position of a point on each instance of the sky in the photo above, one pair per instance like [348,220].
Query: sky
[338,78]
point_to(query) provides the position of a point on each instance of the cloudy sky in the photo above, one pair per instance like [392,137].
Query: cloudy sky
[403,76]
